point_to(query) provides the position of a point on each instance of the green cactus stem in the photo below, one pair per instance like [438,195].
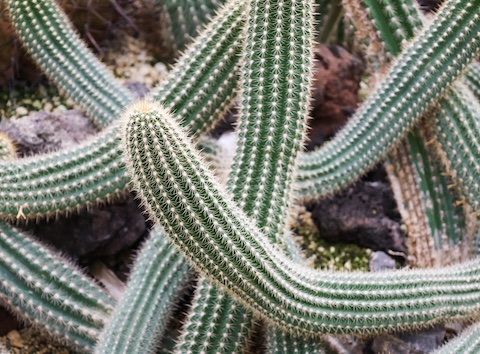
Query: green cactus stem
[156,282]
[93,172]
[185,19]
[468,342]
[215,324]
[223,245]
[420,76]
[49,292]
[202,85]
[48,35]
[458,132]
[436,222]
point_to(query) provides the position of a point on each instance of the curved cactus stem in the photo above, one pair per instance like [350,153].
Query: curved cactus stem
[419,77]
[49,37]
[45,289]
[156,282]
[468,342]
[223,244]
[185,19]
[428,204]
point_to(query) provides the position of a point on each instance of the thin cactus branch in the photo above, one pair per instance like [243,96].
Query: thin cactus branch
[48,291]
[156,282]
[49,37]
[420,76]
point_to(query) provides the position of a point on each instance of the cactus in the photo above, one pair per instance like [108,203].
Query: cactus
[58,50]
[237,238]
[49,292]
[140,316]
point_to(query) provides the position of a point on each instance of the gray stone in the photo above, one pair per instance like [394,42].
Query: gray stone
[380,261]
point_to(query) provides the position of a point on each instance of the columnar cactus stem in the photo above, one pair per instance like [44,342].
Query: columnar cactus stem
[156,282]
[420,76]
[212,324]
[45,289]
[274,110]
[202,85]
[48,35]
[223,244]
[185,19]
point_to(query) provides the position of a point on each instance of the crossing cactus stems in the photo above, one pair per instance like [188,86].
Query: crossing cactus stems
[237,238]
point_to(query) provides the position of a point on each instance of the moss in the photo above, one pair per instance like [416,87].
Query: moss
[326,255]
[25,100]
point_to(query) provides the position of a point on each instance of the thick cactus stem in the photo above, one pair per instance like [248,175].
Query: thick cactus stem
[224,245]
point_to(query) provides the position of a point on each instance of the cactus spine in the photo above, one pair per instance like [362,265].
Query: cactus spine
[56,47]
[45,289]
[157,279]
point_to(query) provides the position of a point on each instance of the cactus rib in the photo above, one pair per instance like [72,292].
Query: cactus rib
[48,291]
[93,172]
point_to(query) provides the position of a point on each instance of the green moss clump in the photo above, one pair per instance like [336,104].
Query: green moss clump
[326,255]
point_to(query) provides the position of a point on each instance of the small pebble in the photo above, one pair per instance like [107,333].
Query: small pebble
[48,107]
[15,339]
[21,111]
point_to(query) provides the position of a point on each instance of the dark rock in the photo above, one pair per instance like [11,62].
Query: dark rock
[8,322]
[96,232]
[425,341]
[336,83]
[418,342]
[139,89]
[43,132]
[430,5]
[362,214]
[380,261]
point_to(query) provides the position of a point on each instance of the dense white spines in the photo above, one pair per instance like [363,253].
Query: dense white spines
[419,77]
[226,247]
[141,315]
[49,291]
[47,34]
